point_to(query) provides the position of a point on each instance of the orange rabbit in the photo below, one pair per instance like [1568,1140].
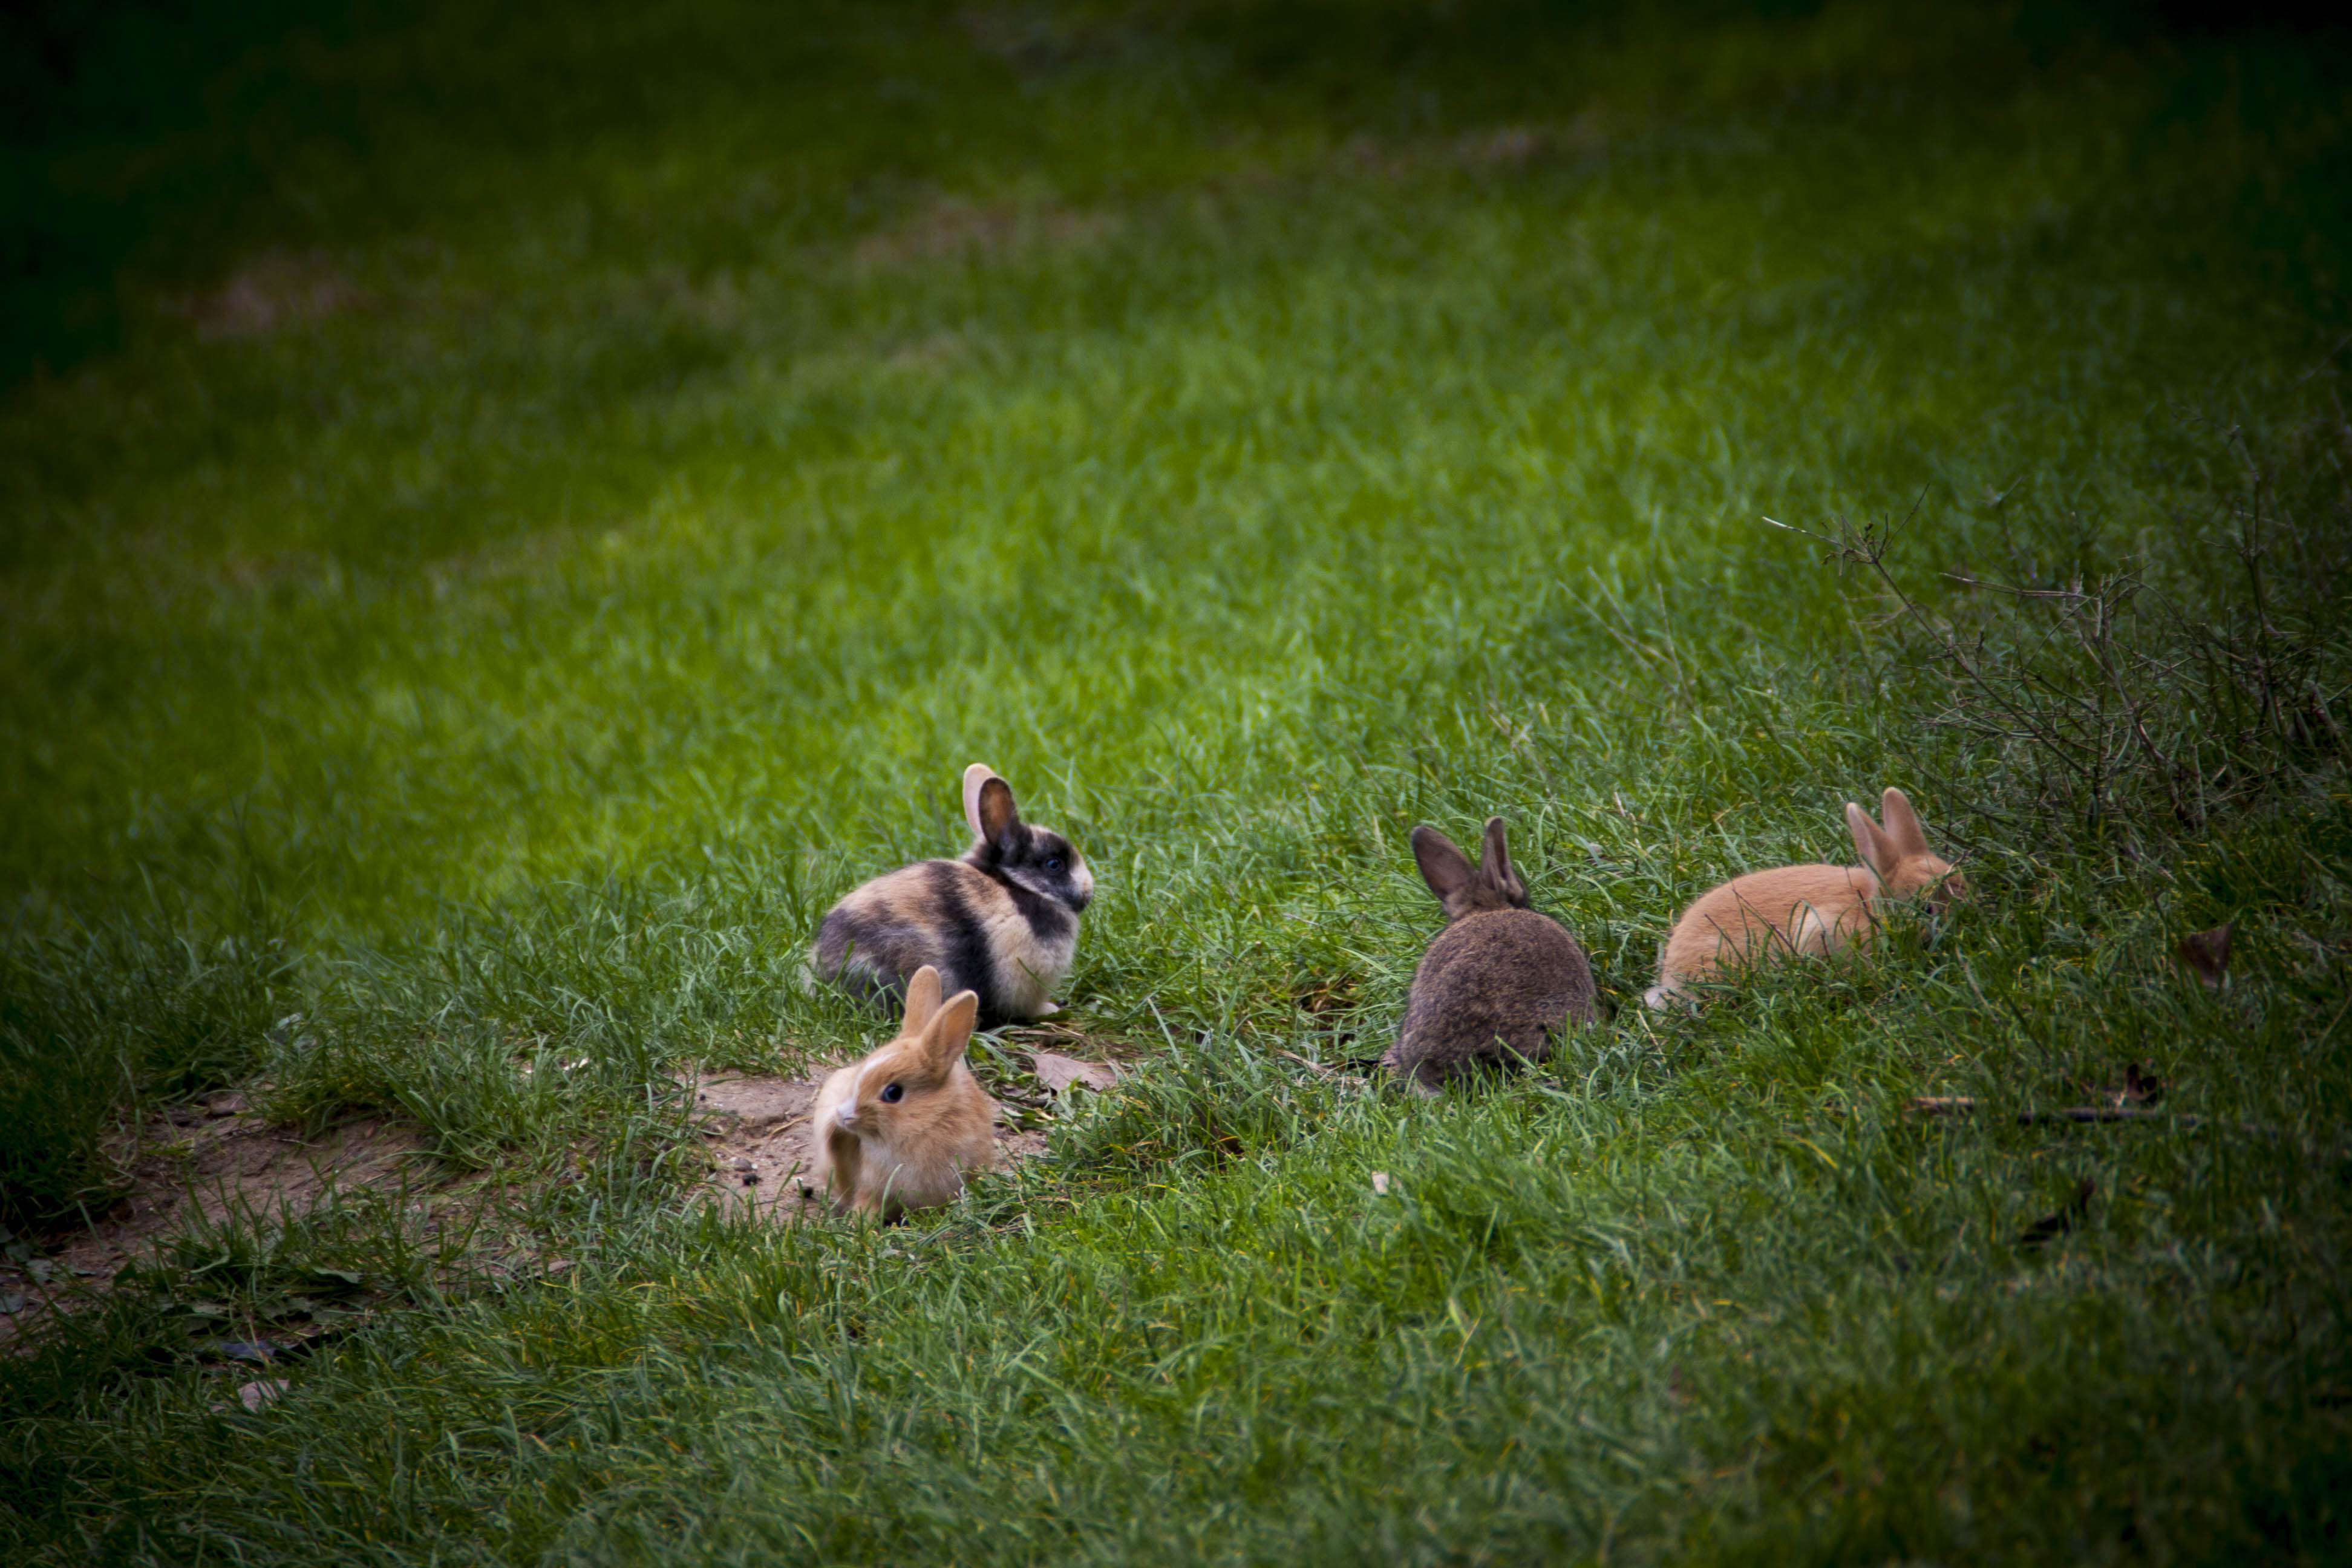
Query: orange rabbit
[900,1129]
[1808,910]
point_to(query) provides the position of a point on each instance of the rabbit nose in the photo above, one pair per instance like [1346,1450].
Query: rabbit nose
[846,1113]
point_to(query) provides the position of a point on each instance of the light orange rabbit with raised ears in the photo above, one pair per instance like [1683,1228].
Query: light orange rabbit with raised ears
[1805,910]
[901,1128]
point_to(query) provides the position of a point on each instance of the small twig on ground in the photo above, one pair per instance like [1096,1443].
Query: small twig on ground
[1961,1105]
[2052,1226]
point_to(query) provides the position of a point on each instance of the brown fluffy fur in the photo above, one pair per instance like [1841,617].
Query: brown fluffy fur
[881,1156]
[1499,983]
[1804,910]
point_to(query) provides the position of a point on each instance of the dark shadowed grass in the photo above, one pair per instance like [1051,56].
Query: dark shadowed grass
[155,999]
[502,656]
[1708,1289]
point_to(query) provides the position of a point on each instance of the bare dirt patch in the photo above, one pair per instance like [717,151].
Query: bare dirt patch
[275,289]
[1498,149]
[204,1161]
[955,229]
[756,1130]
[931,354]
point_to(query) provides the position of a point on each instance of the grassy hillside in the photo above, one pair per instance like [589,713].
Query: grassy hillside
[536,508]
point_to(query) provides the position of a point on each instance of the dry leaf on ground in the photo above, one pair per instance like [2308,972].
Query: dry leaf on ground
[1058,1072]
[2206,954]
[253,1396]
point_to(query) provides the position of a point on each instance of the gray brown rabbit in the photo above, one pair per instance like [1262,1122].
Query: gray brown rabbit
[1500,982]
[1002,921]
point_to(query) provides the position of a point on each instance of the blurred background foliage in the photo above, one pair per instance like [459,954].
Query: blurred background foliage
[151,144]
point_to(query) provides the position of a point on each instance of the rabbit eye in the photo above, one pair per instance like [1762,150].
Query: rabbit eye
[892,1093]
[1054,863]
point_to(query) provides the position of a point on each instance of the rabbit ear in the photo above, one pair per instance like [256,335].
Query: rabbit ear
[975,777]
[1869,841]
[1902,822]
[950,1029]
[922,1000]
[995,811]
[1495,865]
[1443,866]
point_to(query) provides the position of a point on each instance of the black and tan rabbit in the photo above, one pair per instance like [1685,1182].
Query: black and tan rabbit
[902,1129]
[1499,984]
[1002,921]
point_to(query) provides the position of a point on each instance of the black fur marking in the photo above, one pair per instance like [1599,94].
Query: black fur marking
[837,938]
[871,959]
[987,855]
[964,957]
[1018,862]
[1047,917]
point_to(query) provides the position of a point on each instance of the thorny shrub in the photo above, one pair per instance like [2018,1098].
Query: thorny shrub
[2113,706]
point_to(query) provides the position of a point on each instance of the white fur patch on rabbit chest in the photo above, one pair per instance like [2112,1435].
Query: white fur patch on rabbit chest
[1026,967]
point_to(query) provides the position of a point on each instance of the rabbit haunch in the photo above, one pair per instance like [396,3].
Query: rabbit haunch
[901,1128]
[1807,911]
[1499,983]
[1002,921]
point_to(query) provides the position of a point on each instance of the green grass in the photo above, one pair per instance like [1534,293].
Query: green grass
[1253,432]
